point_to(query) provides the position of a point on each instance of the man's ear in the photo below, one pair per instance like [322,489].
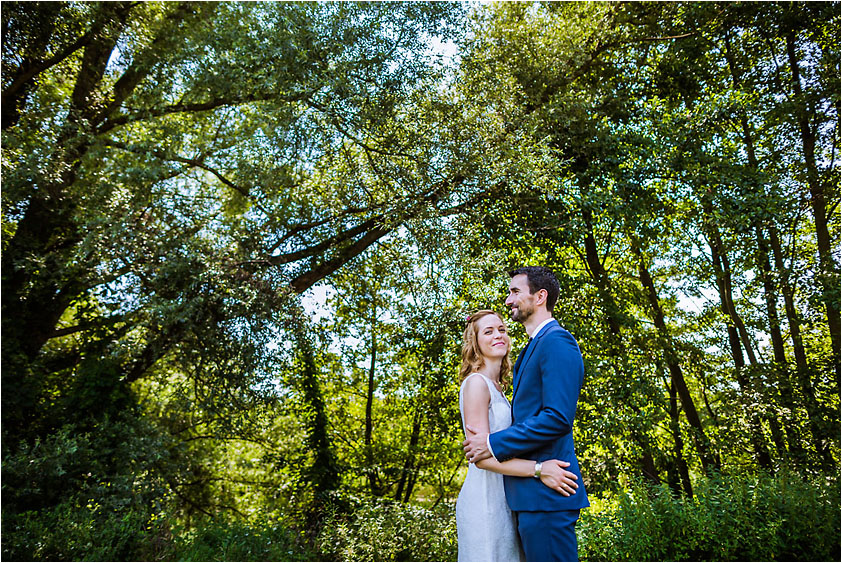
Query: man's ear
[541,296]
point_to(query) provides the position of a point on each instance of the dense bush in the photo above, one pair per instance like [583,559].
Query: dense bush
[83,495]
[380,530]
[75,533]
[240,541]
[731,518]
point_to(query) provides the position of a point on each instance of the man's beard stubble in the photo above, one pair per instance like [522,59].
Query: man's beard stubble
[520,315]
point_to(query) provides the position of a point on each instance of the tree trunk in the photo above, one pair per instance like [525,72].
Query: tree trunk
[680,471]
[793,318]
[615,348]
[34,299]
[802,369]
[409,465]
[676,374]
[724,305]
[829,271]
[323,473]
[723,283]
[600,278]
[729,303]
[783,390]
[370,467]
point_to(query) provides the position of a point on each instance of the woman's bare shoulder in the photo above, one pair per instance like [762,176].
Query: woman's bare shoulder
[475,384]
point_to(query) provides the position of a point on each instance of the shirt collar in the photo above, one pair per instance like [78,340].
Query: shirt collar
[540,326]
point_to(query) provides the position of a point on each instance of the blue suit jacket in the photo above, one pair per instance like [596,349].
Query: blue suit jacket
[548,377]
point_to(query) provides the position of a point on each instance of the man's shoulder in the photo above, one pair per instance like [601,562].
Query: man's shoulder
[555,329]
[556,335]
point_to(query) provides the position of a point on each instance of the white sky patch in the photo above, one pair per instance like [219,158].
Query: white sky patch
[448,50]
[314,301]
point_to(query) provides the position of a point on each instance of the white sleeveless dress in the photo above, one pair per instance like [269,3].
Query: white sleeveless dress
[485,526]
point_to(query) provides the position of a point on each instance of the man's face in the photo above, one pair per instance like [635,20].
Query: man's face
[520,301]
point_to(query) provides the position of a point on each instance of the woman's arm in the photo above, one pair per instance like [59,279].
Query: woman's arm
[475,401]
[553,472]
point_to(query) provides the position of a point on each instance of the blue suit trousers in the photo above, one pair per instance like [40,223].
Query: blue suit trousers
[549,536]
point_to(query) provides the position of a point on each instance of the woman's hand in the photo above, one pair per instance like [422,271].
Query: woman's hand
[555,476]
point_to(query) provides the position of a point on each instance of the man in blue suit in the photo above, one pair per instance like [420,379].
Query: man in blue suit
[548,376]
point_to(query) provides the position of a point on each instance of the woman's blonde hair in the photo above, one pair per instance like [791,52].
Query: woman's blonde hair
[472,358]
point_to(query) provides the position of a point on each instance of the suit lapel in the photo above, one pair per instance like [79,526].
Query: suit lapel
[520,359]
[525,355]
[516,371]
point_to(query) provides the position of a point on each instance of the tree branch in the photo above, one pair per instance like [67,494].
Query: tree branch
[194,162]
[279,259]
[196,107]
[141,64]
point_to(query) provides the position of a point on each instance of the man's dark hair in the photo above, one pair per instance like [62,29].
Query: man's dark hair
[539,277]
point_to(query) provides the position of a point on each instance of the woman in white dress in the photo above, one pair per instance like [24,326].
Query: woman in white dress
[486,527]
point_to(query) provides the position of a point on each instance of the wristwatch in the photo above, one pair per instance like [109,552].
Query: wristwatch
[537,470]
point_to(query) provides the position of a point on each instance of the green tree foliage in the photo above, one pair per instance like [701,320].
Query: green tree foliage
[174,173]
[644,195]
[194,166]
[179,177]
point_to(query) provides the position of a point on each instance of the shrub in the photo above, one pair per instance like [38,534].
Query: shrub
[381,530]
[82,495]
[73,533]
[731,518]
[240,541]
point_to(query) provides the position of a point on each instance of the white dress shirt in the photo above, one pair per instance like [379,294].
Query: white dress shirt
[540,326]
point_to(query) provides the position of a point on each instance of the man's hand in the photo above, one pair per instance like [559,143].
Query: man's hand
[555,476]
[475,445]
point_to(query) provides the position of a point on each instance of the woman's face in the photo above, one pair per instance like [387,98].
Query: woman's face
[492,337]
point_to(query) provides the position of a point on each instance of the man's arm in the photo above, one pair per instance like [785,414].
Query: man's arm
[561,370]
[553,473]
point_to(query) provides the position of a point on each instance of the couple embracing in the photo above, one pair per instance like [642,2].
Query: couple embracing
[521,497]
